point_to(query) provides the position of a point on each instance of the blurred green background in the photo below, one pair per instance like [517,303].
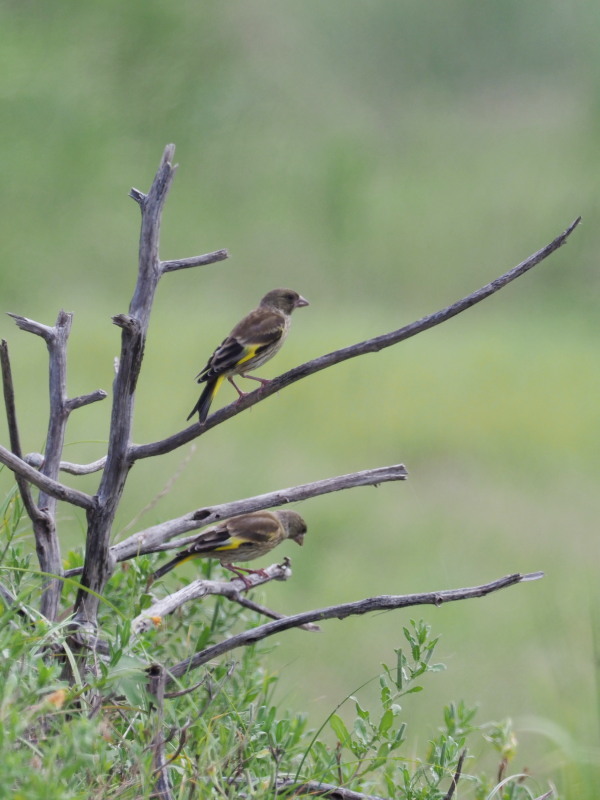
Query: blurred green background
[383,159]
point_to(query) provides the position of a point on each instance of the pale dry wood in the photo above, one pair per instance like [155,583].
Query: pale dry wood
[134,325]
[151,539]
[381,603]
[201,588]
[37,459]
[193,261]
[374,345]
[50,487]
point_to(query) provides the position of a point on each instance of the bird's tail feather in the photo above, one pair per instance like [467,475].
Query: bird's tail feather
[183,556]
[206,398]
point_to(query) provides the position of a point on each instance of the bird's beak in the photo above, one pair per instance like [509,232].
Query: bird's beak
[301,301]
[299,539]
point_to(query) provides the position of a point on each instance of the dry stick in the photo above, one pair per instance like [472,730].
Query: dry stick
[152,616]
[149,540]
[13,431]
[46,536]
[456,776]
[268,612]
[53,488]
[383,602]
[37,459]
[337,356]
[134,326]
[156,687]
[194,261]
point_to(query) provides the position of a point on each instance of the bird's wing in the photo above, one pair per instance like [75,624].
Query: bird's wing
[256,528]
[256,332]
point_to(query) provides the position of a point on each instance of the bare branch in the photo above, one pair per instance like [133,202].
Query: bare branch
[201,588]
[193,261]
[456,776]
[383,602]
[47,485]
[337,356]
[156,687]
[268,612]
[134,325]
[13,431]
[37,459]
[31,326]
[148,541]
[86,399]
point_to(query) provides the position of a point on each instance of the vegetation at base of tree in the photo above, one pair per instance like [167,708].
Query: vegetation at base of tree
[229,737]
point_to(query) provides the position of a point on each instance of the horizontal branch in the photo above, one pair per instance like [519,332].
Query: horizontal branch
[52,488]
[148,541]
[381,603]
[337,356]
[85,399]
[31,326]
[201,588]
[193,261]
[37,459]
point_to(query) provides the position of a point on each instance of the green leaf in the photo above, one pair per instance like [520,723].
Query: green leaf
[339,728]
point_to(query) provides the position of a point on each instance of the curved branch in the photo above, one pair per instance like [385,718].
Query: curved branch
[337,356]
[37,459]
[383,602]
[148,541]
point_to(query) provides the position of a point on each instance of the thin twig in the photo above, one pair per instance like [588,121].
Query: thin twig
[153,615]
[194,261]
[149,540]
[37,459]
[456,777]
[156,687]
[13,431]
[50,487]
[383,602]
[268,612]
[85,399]
[337,356]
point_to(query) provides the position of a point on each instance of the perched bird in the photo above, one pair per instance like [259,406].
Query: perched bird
[241,538]
[250,344]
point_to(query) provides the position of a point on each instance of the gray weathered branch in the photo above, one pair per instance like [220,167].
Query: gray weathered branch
[86,399]
[13,432]
[46,535]
[381,603]
[149,540]
[37,459]
[50,487]
[134,326]
[194,261]
[201,588]
[337,356]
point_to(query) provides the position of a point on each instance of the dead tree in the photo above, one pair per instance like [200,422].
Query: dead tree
[43,470]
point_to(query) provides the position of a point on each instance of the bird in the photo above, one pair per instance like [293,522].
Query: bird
[253,341]
[241,538]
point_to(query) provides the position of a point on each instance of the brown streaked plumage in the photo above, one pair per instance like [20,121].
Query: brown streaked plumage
[241,538]
[250,344]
